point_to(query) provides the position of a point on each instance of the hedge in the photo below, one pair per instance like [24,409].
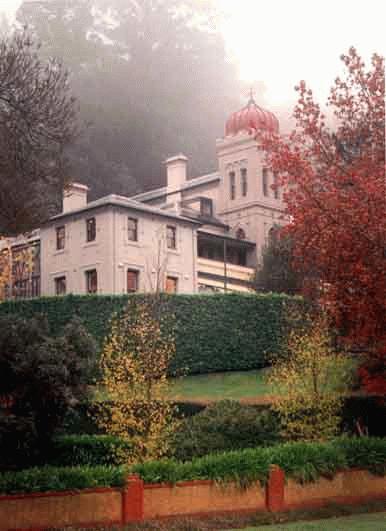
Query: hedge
[301,461]
[217,332]
[50,478]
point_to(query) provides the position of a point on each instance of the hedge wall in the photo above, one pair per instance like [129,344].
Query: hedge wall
[219,332]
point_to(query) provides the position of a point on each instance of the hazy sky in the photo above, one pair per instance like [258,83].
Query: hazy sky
[282,41]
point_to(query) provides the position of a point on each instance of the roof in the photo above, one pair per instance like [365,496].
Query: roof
[187,185]
[124,202]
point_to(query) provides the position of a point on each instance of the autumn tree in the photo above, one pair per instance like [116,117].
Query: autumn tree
[134,367]
[310,380]
[335,194]
[37,123]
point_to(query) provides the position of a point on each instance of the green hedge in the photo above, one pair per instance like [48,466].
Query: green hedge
[50,478]
[301,461]
[88,450]
[219,332]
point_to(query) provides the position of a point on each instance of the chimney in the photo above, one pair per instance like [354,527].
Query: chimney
[176,176]
[75,197]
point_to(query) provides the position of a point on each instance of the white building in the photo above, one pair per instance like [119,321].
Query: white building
[194,234]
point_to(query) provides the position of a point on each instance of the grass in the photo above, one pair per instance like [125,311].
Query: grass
[246,385]
[363,522]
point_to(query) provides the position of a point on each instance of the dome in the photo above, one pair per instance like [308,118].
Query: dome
[251,118]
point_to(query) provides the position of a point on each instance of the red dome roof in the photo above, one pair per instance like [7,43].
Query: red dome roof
[251,118]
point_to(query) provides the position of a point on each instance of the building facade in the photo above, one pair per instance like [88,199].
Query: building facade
[194,234]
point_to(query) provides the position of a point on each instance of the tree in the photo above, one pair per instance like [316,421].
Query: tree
[41,378]
[134,367]
[277,273]
[37,122]
[139,70]
[309,380]
[335,195]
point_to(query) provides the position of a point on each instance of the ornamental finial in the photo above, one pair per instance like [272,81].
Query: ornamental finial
[251,94]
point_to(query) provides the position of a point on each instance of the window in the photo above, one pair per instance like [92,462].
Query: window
[240,234]
[132,280]
[244,182]
[206,207]
[265,182]
[132,229]
[91,229]
[91,281]
[275,187]
[171,237]
[232,182]
[60,237]
[60,286]
[171,284]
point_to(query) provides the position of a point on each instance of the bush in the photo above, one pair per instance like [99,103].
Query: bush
[49,478]
[364,452]
[217,332]
[226,425]
[303,462]
[40,378]
[88,450]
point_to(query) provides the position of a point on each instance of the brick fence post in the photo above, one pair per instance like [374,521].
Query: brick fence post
[275,489]
[132,500]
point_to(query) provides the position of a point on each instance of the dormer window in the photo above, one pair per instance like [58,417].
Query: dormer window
[206,207]
[232,184]
[244,182]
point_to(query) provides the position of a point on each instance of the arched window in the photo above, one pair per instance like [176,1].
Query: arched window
[240,234]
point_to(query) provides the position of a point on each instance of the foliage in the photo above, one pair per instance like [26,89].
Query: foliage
[37,121]
[335,194]
[140,68]
[277,274]
[311,379]
[40,378]
[50,478]
[134,366]
[217,332]
[364,452]
[225,426]
[302,461]
[87,450]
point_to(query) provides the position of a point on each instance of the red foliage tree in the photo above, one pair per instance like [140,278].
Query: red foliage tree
[334,185]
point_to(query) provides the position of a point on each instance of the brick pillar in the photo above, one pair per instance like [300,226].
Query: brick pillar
[275,489]
[132,500]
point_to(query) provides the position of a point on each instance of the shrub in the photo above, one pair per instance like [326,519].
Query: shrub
[226,425]
[49,478]
[88,450]
[310,381]
[364,452]
[301,461]
[40,378]
[217,332]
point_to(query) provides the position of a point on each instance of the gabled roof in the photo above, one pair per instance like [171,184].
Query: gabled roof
[124,202]
[191,183]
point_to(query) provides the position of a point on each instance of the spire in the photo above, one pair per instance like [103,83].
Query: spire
[251,94]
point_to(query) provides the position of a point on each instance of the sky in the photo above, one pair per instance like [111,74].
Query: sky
[281,42]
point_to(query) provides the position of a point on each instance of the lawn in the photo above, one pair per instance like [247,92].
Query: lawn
[224,385]
[362,522]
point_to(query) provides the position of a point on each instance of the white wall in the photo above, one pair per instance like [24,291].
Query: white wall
[111,254]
